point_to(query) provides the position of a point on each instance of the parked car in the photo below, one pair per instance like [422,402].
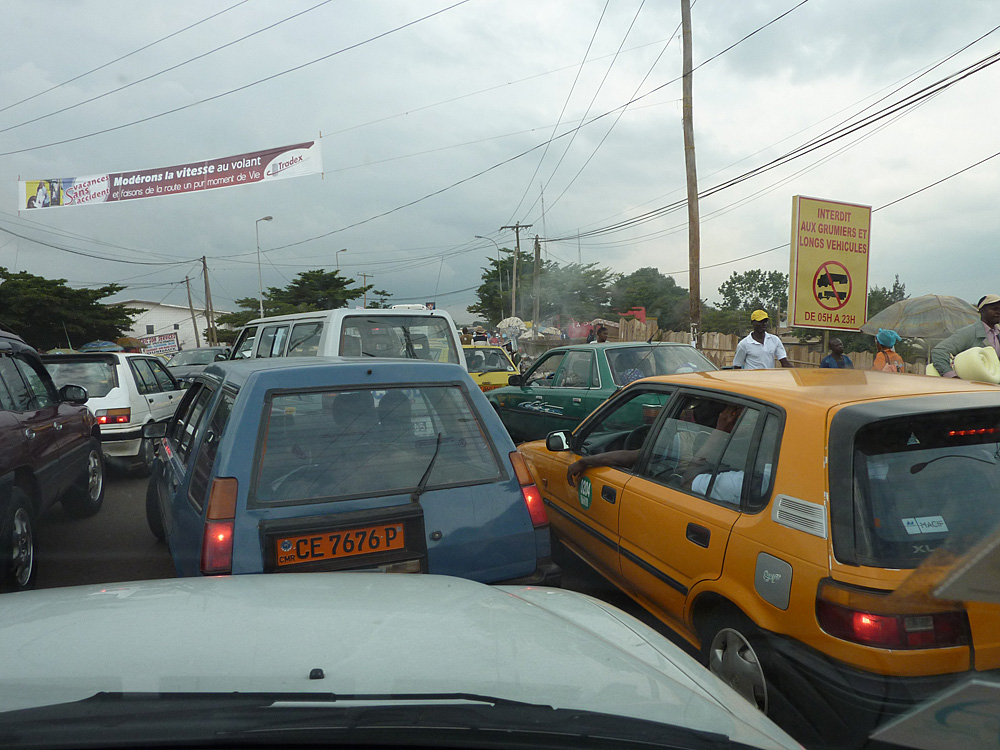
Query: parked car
[774,518]
[490,366]
[187,363]
[405,332]
[126,391]
[387,661]
[567,383]
[49,451]
[336,463]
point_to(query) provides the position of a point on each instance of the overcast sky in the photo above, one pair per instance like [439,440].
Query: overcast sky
[436,129]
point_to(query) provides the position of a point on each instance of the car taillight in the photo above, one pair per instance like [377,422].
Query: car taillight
[113,416]
[217,542]
[529,491]
[867,618]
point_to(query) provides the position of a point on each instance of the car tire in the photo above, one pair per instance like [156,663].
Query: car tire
[86,496]
[17,544]
[731,648]
[154,517]
[142,466]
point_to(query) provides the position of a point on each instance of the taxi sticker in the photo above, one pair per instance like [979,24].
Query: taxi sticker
[924,525]
[585,493]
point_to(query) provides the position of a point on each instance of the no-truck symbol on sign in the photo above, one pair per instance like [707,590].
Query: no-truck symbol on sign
[832,285]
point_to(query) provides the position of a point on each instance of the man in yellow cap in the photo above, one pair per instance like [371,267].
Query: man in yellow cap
[759,349]
[984,333]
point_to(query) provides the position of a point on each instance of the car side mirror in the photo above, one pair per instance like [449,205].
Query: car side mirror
[73,394]
[557,441]
[154,430]
[514,380]
[221,356]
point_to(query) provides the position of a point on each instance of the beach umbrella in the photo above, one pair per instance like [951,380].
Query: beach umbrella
[100,346]
[130,342]
[931,316]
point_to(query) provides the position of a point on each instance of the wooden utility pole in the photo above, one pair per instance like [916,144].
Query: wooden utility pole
[194,320]
[694,231]
[365,276]
[535,286]
[517,227]
[213,338]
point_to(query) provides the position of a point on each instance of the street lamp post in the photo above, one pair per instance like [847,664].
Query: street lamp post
[260,279]
[336,255]
[499,271]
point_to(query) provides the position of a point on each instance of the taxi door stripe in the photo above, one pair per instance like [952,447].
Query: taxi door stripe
[582,524]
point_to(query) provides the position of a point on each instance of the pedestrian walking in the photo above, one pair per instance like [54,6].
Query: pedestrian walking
[886,358]
[836,359]
[759,349]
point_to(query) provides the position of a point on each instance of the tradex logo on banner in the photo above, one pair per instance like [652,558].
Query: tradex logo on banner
[229,171]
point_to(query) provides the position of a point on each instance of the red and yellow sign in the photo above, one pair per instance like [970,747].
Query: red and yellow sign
[829,264]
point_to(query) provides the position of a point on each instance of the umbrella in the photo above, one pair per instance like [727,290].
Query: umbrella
[512,324]
[130,342]
[100,346]
[61,351]
[931,316]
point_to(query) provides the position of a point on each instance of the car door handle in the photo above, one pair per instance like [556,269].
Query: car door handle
[577,400]
[698,534]
[608,493]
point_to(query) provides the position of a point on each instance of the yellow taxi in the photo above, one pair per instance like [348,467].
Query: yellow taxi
[490,366]
[788,524]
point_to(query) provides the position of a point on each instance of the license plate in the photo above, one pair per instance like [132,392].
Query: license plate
[334,545]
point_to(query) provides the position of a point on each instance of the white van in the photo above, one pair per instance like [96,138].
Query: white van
[396,332]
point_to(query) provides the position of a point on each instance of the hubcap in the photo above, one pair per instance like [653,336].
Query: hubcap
[22,548]
[95,477]
[733,660]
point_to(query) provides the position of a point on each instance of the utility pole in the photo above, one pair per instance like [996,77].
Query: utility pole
[535,278]
[365,277]
[694,230]
[213,339]
[517,227]
[194,321]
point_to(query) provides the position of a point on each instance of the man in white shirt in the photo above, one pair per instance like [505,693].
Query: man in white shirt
[759,349]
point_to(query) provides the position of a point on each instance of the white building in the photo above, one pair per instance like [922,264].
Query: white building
[159,319]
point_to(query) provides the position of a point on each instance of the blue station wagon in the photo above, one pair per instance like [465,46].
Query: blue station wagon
[343,464]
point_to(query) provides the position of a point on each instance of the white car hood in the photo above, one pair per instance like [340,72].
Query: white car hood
[369,633]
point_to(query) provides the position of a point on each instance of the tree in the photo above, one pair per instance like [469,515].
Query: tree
[46,312]
[494,292]
[647,287]
[381,299]
[311,290]
[756,290]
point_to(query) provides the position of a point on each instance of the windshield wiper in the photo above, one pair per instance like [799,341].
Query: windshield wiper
[415,495]
[410,351]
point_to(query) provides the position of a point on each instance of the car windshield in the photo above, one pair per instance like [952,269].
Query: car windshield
[487,359]
[634,362]
[341,444]
[97,376]
[906,473]
[399,337]
[193,357]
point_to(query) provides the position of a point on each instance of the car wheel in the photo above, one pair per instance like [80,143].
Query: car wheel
[143,464]
[17,544]
[86,496]
[154,517]
[730,647]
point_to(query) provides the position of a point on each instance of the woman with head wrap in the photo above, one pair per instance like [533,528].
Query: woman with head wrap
[886,358]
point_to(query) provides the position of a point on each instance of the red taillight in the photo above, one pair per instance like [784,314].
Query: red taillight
[217,542]
[113,416]
[853,615]
[532,497]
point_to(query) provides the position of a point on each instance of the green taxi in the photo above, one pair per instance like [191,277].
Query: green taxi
[567,383]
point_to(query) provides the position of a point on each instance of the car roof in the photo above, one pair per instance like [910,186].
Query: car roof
[824,388]
[343,311]
[274,372]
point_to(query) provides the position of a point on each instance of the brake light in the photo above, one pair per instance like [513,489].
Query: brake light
[529,491]
[870,619]
[217,542]
[113,416]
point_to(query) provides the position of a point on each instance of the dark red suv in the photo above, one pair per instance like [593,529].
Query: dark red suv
[49,451]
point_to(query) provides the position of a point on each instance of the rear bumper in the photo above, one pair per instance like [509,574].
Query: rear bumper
[121,442]
[547,573]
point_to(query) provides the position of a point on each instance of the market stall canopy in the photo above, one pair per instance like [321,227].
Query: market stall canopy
[932,316]
[100,346]
[130,342]
[512,325]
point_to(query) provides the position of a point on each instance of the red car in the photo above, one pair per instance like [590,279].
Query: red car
[50,451]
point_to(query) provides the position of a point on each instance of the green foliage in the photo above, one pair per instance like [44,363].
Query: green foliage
[37,309]
[756,289]
[664,301]
[311,290]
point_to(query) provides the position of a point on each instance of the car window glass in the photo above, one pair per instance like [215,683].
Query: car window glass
[304,341]
[576,371]
[542,374]
[244,345]
[176,424]
[144,380]
[399,336]
[189,428]
[623,426]
[272,341]
[20,394]
[336,444]
[163,379]
[42,393]
[205,459]
[6,398]
[97,376]
[764,466]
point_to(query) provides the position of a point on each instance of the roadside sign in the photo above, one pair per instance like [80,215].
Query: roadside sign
[829,264]
[164,343]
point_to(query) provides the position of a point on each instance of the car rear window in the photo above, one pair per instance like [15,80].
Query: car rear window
[98,376]
[924,482]
[351,443]
[400,337]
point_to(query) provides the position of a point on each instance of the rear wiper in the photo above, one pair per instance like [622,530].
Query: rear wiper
[415,495]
